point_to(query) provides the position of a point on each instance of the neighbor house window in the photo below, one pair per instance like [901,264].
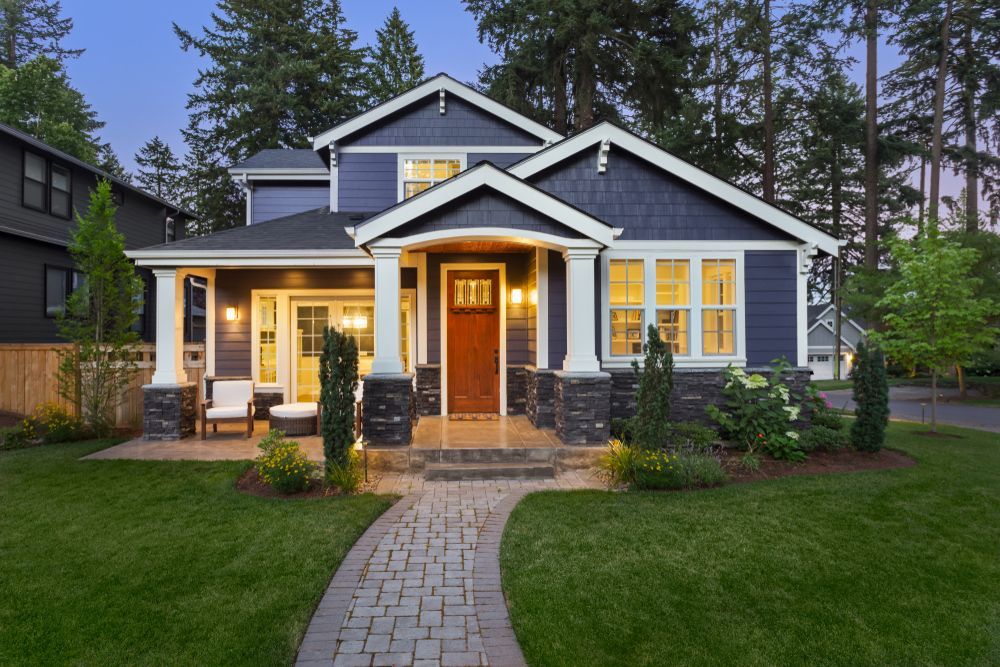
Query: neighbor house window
[673,302]
[59,284]
[718,314]
[627,300]
[36,182]
[421,173]
[170,230]
[267,321]
[61,197]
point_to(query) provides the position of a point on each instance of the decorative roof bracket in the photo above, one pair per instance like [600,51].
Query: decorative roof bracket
[441,100]
[602,155]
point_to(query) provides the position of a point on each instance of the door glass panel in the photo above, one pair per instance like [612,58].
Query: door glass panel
[358,320]
[309,322]
[268,321]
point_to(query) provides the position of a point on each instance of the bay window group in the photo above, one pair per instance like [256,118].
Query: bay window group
[693,301]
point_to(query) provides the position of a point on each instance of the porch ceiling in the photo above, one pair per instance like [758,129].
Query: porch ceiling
[477,247]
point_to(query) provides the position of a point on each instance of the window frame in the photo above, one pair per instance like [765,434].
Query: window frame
[628,307]
[403,157]
[69,192]
[45,185]
[695,356]
[70,285]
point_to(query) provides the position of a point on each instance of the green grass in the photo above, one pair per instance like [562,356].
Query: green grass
[159,563]
[898,567]
[830,385]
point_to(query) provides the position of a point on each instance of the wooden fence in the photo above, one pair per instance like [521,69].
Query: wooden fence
[29,376]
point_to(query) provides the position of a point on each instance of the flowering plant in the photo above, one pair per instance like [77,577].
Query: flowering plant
[283,465]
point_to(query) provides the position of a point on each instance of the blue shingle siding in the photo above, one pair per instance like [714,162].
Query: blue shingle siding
[771,305]
[502,160]
[367,181]
[557,310]
[422,124]
[647,202]
[277,201]
[486,208]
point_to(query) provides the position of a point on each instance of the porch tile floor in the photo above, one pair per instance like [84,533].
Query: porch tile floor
[514,431]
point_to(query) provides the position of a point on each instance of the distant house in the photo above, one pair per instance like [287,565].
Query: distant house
[821,341]
[40,187]
[486,266]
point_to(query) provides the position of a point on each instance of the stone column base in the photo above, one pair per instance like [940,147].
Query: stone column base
[517,390]
[266,397]
[428,396]
[583,407]
[540,405]
[388,408]
[169,411]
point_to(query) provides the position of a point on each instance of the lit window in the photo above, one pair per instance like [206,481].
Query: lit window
[718,298]
[673,302]
[421,173]
[268,322]
[627,299]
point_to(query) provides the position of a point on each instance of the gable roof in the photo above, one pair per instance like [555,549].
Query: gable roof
[430,86]
[66,157]
[484,175]
[749,203]
[817,312]
[282,158]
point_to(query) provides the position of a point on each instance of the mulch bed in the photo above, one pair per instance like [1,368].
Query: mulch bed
[818,463]
[10,419]
[251,484]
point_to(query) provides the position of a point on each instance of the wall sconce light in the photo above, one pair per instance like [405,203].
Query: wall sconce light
[516,295]
[533,297]
[232,314]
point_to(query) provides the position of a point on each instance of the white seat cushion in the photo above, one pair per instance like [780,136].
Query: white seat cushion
[228,412]
[231,393]
[293,410]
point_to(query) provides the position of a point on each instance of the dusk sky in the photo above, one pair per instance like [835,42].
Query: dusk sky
[137,78]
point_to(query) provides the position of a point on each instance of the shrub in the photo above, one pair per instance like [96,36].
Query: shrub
[618,464]
[338,378]
[819,410]
[871,398]
[759,413]
[17,437]
[283,465]
[346,477]
[693,435]
[670,470]
[54,424]
[623,429]
[651,427]
[822,438]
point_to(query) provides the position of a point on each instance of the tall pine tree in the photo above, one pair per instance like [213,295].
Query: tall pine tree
[159,171]
[278,73]
[394,64]
[31,28]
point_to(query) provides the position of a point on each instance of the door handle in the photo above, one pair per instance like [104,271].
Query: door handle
[496,361]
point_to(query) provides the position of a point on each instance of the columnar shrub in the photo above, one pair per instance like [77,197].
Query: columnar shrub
[338,378]
[651,428]
[871,398]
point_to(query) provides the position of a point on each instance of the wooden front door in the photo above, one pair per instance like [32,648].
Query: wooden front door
[473,341]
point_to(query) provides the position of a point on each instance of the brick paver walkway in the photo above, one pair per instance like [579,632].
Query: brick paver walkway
[422,586]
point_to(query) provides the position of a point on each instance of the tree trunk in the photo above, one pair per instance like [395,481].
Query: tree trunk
[937,138]
[871,136]
[933,400]
[923,193]
[960,374]
[972,160]
[768,175]
[559,100]
[584,93]
[836,216]
[10,21]
[717,91]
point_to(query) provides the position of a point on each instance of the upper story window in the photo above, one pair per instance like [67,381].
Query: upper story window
[46,186]
[170,230]
[60,282]
[420,173]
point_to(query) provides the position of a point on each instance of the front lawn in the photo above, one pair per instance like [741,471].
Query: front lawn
[874,568]
[146,562]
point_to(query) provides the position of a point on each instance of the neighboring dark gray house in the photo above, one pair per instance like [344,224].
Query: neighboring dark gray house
[821,340]
[486,264]
[40,187]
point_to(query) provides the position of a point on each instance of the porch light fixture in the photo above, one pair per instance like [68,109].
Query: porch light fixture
[533,297]
[232,314]
[516,295]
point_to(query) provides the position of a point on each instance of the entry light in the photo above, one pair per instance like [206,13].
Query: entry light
[533,297]
[232,314]
[516,295]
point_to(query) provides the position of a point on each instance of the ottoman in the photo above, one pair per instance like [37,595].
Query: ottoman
[295,418]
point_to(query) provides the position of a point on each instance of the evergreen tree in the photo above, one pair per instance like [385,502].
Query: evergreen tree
[278,73]
[37,98]
[652,399]
[32,28]
[159,171]
[338,379]
[871,398]
[108,160]
[394,65]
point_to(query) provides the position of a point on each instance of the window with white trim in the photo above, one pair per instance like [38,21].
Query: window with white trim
[420,173]
[718,314]
[673,303]
[626,290]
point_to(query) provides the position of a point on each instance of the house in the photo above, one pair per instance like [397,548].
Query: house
[822,336]
[40,187]
[485,264]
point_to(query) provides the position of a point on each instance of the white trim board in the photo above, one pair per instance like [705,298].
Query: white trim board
[505,148]
[473,266]
[434,85]
[681,169]
[485,175]
[428,155]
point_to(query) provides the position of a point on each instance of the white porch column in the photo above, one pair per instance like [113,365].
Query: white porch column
[169,327]
[387,359]
[580,311]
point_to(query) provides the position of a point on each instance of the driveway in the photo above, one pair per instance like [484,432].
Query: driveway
[909,403]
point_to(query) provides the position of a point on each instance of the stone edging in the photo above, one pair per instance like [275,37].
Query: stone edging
[320,641]
[499,642]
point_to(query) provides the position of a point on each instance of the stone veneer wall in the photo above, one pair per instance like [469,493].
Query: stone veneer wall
[694,388]
[540,403]
[428,397]
[517,390]
[169,411]
[388,409]
[583,407]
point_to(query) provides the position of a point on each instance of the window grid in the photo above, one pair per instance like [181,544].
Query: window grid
[673,301]
[268,325]
[627,299]
[718,297]
[421,173]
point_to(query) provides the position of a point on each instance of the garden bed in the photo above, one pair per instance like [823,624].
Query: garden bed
[251,484]
[818,463]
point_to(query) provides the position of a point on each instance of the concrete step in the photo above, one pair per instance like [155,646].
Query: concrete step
[420,457]
[450,472]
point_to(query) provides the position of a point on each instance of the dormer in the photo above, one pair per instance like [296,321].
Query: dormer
[282,181]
